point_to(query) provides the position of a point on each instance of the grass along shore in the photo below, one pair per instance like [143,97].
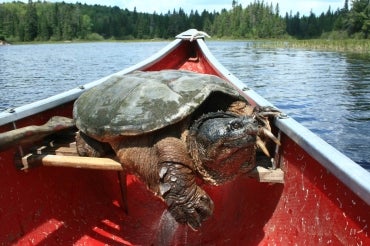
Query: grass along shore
[345,45]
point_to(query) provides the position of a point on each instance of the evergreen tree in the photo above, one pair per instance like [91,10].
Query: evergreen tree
[346,8]
[62,21]
[86,26]
[30,22]
[359,18]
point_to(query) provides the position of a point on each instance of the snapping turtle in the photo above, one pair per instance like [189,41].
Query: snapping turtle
[167,127]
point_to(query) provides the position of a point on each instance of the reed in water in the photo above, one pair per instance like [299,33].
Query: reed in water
[344,45]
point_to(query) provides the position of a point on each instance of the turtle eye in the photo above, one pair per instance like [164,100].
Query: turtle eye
[235,125]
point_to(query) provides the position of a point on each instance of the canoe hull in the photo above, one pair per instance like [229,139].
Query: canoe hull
[64,206]
[54,206]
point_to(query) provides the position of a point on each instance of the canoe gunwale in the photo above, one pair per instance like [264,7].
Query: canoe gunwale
[343,168]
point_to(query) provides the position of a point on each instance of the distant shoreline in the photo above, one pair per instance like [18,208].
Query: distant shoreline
[341,45]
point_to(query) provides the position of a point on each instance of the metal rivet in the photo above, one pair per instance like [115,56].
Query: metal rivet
[283,116]
[11,110]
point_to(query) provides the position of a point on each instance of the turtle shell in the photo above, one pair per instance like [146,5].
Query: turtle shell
[142,102]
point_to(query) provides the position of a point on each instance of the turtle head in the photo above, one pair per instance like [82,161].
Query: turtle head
[223,145]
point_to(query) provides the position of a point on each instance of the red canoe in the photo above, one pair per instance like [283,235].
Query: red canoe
[324,198]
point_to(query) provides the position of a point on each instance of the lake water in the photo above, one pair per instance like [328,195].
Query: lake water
[328,92]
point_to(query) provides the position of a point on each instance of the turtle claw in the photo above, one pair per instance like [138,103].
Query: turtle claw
[203,207]
[194,212]
[261,144]
[262,115]
[271,136]
[267,111]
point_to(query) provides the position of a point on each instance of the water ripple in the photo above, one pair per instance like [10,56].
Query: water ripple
[33,72]
[327,92]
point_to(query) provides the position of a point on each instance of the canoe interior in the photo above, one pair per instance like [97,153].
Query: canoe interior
[65,206]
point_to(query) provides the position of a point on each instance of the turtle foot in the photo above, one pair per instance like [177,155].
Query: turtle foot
[187,202]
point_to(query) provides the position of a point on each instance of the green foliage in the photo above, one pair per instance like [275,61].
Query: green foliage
[257,20]
[94,37]
[355,21]
[360,46]
[358,19]
[30,22]
[44,21]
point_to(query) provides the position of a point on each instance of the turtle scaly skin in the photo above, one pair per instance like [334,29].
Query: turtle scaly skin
[169,127]
[162,161]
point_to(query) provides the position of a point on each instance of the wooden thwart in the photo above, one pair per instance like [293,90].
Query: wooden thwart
[56,154]
[31,160]
[260,173]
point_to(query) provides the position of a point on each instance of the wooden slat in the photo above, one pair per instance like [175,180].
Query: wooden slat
[41,149]
[57,154]
[31,160]
[69,150]
[260,173]
[267,175]
[66,151]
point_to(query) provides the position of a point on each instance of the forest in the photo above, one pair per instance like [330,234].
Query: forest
[46,21]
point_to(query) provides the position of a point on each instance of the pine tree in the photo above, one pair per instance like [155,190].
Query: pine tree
[345,8]
[359,18]
[30,22]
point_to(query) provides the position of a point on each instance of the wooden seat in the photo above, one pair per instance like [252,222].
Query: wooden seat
[61,152]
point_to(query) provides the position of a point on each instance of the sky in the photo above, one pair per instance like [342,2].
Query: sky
[304,7]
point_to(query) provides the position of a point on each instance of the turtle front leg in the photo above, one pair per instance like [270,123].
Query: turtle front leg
[187,202]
